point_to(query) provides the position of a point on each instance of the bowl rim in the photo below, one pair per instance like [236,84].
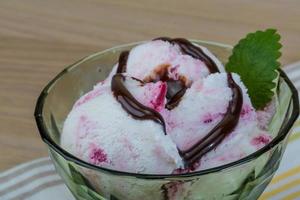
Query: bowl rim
[68,156]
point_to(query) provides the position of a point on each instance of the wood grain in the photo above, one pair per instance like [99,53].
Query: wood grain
[39,38]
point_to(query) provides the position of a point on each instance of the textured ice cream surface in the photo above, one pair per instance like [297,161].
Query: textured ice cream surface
[100,131]
[265,116]
[200,109]
[160,53]
[152,95]
[146,60]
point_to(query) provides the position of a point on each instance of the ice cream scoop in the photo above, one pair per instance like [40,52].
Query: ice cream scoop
[167,107]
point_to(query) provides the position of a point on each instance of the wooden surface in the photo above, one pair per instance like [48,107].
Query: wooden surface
[39,38]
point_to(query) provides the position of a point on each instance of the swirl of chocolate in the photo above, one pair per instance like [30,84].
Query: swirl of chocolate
[125,98]
[176,89]
[131,105]
[122,62]
[221,130]
[187,48]
[196,52]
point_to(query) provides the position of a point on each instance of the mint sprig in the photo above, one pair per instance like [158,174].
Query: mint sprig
[254,58]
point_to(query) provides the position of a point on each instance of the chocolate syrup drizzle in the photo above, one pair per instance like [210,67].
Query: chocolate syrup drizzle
[128,102]
[176,89]
[219,132]
[188,48]
[122,62]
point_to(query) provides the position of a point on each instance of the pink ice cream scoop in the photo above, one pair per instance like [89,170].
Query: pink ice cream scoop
[168,106]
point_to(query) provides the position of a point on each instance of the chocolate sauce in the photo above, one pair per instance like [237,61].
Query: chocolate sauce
[131,105]
[176,89]
[196,52]
[174,86]
[221,130]
[122,62]
[128,102]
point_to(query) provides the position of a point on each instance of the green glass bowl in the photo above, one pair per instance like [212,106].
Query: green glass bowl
[242,179]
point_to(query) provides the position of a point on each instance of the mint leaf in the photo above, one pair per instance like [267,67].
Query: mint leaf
[254,58]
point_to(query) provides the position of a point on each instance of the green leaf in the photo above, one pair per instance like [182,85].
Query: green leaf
[254,58]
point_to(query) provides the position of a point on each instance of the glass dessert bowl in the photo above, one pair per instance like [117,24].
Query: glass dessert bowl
[242,179]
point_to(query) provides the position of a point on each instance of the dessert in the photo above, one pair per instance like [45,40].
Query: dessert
[169,106]
[169,121]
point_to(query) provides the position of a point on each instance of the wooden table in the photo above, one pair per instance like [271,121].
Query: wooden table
[39,38]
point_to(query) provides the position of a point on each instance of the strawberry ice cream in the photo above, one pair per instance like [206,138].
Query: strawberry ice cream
[168,106]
